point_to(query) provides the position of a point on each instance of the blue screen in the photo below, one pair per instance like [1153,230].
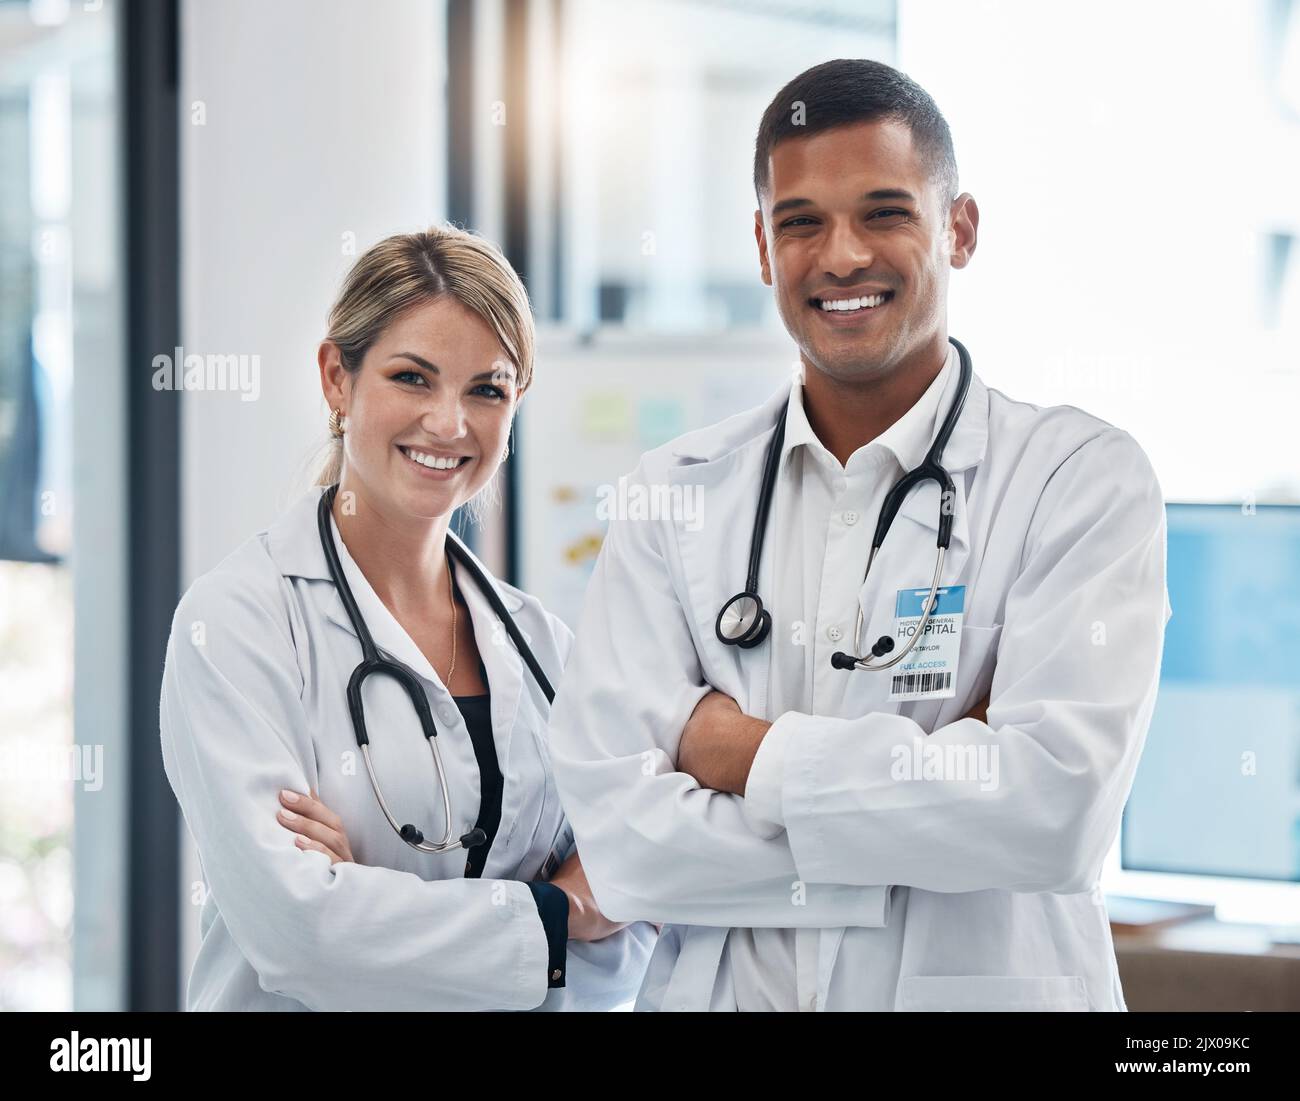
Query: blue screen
[1217,791]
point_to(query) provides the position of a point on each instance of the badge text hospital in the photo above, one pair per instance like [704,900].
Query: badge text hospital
[930,671]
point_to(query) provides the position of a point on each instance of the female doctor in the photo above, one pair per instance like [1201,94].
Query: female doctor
[312,897]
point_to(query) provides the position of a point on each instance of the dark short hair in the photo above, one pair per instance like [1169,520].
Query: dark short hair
[849,90]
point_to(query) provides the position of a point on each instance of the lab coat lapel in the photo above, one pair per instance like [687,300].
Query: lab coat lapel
[714,556]
[293,543]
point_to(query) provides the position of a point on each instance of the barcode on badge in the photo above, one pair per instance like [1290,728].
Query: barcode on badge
[921,682]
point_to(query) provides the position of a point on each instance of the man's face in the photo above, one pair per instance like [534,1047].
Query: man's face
[851,214]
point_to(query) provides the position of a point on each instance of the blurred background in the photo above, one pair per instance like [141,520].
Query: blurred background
[195,176]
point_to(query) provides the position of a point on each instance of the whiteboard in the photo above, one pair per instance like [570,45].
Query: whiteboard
[594,407]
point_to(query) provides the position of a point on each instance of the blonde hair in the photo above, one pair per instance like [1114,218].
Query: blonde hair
[409,269]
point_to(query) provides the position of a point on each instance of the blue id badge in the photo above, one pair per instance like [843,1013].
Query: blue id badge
[929,672]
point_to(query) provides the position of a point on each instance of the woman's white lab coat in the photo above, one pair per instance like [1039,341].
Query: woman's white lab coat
[253,700]
[910,895]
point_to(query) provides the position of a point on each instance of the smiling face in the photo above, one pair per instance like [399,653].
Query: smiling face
[429,412]
[857,241]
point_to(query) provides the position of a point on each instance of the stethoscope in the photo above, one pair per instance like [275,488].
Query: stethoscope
[372,664]
[744,622]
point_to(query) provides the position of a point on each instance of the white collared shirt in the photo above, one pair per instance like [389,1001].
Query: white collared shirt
[824,518]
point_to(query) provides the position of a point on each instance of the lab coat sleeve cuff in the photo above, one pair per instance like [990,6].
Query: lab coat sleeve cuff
[820,761]
[553,909]
[766,778]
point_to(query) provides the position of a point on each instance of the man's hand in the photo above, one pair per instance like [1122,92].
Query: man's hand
[980,710]
[718,744]
[586,922]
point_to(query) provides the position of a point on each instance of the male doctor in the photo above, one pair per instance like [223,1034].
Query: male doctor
[816,837]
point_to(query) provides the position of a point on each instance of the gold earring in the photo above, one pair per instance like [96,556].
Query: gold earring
[336,423]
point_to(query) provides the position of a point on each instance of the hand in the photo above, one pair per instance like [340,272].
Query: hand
[319,829]
[586,922]
[980,710]
[718,744]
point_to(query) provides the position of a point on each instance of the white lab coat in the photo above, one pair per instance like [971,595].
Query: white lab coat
[253,700]
[932,895]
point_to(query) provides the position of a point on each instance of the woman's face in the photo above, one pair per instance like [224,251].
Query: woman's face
[429,412]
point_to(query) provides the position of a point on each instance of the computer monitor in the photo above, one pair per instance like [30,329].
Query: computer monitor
[1217,792]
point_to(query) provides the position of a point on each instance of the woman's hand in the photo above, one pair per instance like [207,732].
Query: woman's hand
[318,827]
[585,921]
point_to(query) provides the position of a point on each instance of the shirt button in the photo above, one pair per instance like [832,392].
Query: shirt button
[446,714]
[834,634]
[555,975]
[850,517]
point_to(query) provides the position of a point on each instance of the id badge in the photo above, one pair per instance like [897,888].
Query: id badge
[929,672]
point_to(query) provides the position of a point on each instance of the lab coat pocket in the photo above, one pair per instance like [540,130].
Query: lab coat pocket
[992,993]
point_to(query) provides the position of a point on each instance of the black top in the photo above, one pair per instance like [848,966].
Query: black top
[552,903]
[477,712]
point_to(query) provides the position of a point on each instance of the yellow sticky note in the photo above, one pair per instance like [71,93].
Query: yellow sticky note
[606,414]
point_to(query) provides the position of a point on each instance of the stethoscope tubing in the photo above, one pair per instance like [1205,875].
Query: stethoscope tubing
[372,664]
[744,622]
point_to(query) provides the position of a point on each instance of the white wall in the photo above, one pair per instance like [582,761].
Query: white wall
[1127,160]
[321,118]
